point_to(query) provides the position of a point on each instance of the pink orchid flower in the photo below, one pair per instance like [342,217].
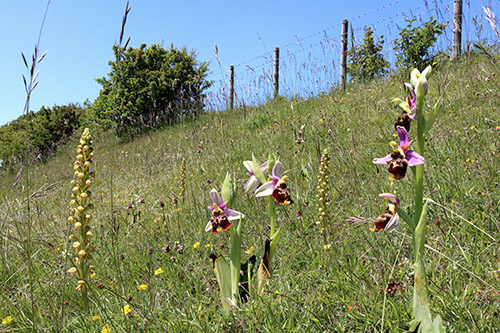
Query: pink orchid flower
[221,216]
[401,157]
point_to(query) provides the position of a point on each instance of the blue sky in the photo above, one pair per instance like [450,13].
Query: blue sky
[78,36]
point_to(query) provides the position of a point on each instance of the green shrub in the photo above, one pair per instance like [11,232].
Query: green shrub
[150,87]
[366,61]
[414,47]
[39,132]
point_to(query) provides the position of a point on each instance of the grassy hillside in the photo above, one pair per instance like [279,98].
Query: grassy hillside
[363,282]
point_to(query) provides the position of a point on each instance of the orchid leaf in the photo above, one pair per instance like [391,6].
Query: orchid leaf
[271,161]
[437,325]
[257,171]
[274,242]
[402,213]
[235,261]
[432,116]
[228,191]
[223,274]
[265,270]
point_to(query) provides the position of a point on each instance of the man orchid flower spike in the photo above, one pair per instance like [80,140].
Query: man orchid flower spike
[80,217]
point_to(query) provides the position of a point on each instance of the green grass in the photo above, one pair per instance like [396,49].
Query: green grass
[312,289]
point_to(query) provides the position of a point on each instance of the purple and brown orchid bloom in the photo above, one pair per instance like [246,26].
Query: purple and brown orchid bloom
[276,187]
[221,216]
[252,182]
[389,220]
[409,109]
[401,158]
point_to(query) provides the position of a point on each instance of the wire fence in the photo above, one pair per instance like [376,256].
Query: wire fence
[309,65]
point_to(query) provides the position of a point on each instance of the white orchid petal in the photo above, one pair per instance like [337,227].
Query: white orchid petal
[233,214]
[265,190]
[248,165]
[393,223]
[208,227]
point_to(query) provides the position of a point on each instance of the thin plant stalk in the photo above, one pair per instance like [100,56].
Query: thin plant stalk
[272,214]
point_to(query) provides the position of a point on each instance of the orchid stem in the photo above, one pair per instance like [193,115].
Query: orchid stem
[421,311]
[272,214]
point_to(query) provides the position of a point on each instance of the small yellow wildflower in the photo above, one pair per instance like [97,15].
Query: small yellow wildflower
[92,275]
[208,245]
[467,160]
[142,287]
[126,309]
[498,127]
[472,127]
[105,329]
[158,271]
[6,320]
[250,250]
[327,246]
[94,318]
[196,245]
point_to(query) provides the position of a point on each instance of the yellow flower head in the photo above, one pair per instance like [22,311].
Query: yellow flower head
[6,320]
[142,287]
[158,271]
[126,309]
[105,329]
[196,245]
[94,318]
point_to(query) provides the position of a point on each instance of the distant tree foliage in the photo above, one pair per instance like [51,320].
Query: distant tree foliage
[414,46]
[150,87]
[366,61]
[38,133]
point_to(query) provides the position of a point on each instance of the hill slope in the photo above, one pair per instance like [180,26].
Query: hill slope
[313,288]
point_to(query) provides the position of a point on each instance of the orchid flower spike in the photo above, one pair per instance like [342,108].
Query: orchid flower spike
[401,158]
[252,182]
[389,220]
[220,214]
[276,187]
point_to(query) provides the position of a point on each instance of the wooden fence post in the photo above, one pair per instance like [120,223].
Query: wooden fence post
[343,55]
[276,71]
[457,29]
[231,87]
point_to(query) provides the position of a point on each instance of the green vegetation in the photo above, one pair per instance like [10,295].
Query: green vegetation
[151,260]
[366,61]
[148,88]
[44,130]
[414,46]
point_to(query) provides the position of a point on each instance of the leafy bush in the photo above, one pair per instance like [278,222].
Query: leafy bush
[366,61]
[38,132]
[413,48]
[150,87]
